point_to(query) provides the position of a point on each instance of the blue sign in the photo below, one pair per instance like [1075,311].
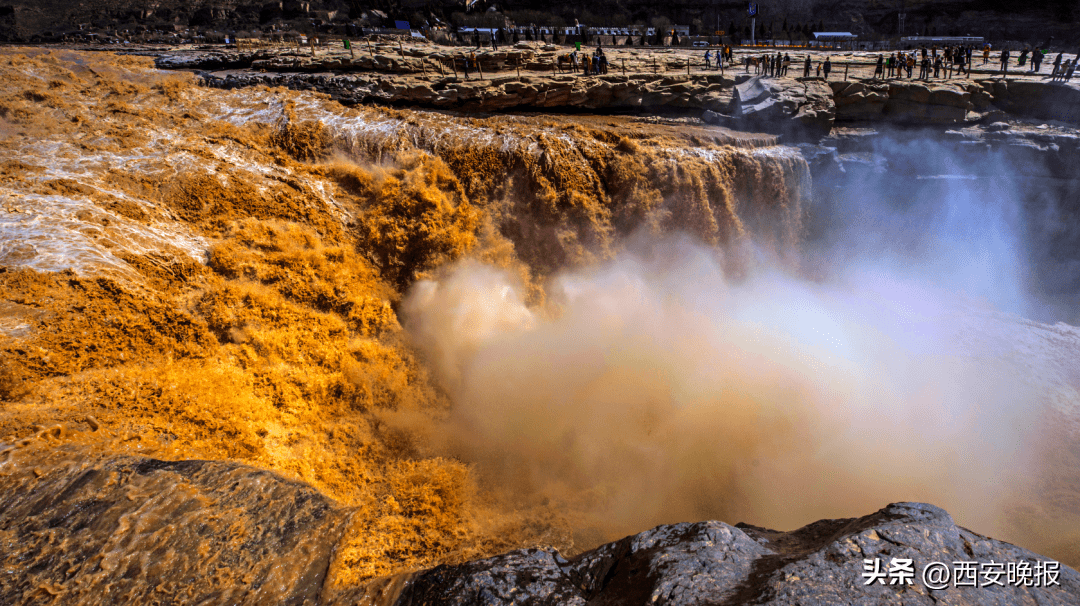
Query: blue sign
[401,24]
[753,9]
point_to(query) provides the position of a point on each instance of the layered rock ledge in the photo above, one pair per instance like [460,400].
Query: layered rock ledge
[530,76]
[803,108]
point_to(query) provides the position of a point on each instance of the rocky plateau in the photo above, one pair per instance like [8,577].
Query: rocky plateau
[802,108]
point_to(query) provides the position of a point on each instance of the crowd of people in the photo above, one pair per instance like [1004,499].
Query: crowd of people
[717,60]
[589,64]
[768,64]
[932,62]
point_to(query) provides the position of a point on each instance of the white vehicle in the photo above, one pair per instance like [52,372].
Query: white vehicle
[700,43]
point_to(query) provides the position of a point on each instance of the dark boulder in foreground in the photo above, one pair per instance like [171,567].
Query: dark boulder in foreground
[714,563]
[77,527]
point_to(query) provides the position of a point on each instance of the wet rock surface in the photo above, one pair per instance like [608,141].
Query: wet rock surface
[80,528]
[714,563]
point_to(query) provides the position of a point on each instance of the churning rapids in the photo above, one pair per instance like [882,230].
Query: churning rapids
[260,335]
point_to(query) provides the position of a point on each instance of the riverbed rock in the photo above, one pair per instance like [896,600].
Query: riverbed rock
[927,103]
[827,562]
[1038,99]
[859,100]
[801,109]
[80,528]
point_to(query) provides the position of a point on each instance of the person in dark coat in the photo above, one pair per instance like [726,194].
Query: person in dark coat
[827,67]
[806,68]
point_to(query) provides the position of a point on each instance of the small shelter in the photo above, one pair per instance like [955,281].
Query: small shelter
[841,40]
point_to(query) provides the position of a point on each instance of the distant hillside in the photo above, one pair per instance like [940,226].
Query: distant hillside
[997,20]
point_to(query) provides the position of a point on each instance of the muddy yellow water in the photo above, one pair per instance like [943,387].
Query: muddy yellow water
[196,274]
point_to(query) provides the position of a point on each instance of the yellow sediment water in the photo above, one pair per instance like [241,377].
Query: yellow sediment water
[207,275]
[189,273]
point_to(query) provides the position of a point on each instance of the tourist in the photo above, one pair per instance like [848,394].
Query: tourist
[1036,61]
[1022,59]
[924,68]
[1063,70]
[1004,62]
[1069,72]
[476,38]
[889,66]
[787,64]
[708,56]
[827,67]
[806,68]
[910,65]
[465,62]
[1057,62]
[986,54]
[961,67]
[878,71]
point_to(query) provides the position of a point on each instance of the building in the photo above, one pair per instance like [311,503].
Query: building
[842,40]
[916,41]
